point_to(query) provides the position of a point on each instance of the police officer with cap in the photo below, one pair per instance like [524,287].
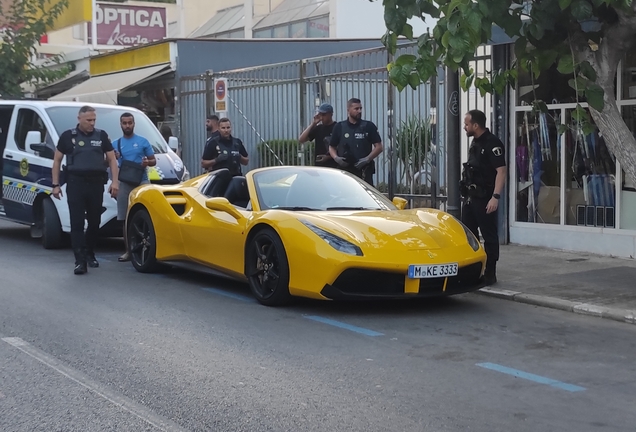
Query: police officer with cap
[482,184]
[355,143]
[320,131]
[225,151]
[84,147]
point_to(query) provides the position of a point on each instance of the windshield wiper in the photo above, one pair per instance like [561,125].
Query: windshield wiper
[353,208]
[297,208]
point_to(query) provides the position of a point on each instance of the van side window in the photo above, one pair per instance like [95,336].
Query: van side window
[28,120]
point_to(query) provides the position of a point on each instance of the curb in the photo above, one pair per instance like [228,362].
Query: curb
[616,314]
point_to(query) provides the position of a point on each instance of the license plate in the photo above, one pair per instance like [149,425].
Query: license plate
[433,271]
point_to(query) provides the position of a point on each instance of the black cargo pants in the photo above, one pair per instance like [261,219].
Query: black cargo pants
[85,196]
[475,218]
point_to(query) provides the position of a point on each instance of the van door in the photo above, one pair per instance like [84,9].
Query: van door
[6,112]
[27,173]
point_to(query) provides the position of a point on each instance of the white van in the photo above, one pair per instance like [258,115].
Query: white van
[29,131]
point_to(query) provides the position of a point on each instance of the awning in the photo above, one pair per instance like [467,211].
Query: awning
[223,21]
[63,84]
[294,10]
[105,88]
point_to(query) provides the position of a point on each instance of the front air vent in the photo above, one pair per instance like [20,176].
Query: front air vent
[177,201]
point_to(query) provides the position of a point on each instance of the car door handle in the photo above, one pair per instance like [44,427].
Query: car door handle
[8,156]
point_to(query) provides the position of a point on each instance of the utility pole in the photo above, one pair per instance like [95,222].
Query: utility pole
[453,142]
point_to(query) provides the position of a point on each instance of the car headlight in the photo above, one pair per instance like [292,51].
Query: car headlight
[186,175]
[472,240]
[334,241]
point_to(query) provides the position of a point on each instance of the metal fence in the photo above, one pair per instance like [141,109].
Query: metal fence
[271,105]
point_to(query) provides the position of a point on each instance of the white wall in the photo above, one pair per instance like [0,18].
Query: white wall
[364,19]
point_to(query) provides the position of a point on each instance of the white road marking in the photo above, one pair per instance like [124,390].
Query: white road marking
[127,404]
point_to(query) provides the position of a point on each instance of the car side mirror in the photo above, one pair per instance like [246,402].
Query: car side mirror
[173,143]
[400,203]
[223,205]
[33,137]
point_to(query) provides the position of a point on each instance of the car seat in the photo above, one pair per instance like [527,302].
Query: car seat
[218,185]
[237,192]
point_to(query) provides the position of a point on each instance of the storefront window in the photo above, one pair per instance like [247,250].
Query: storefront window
[538,166]
[629,77]
[267,33]
[281,32]
[319,28]
[628,188]
[551,87]
[590,171]
[299,30]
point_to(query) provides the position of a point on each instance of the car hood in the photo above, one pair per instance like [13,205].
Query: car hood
[168,168]
[418,229]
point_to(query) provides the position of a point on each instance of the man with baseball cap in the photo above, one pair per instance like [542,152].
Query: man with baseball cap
[320,131]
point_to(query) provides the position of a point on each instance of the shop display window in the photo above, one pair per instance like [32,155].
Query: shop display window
[538,167]
[590,170]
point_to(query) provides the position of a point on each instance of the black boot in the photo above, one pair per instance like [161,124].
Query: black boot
[91,260]
[80,262]
[490,275]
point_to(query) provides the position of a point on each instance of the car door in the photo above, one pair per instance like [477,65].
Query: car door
[27,173]
[215,238]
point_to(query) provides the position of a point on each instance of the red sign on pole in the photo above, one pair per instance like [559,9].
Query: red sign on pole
[220,91]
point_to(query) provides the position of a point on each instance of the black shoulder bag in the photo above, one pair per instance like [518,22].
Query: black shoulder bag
[130,172]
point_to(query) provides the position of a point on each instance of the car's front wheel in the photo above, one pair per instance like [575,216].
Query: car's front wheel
[142,242]
[267,268]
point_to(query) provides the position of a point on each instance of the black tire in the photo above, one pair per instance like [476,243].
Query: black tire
[142,242]
[52,235]
[267,268]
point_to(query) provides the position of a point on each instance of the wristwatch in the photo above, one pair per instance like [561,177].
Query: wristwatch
[496,196]
[55,185]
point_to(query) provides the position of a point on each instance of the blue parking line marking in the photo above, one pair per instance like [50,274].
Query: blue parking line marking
[532,377]
[342,325]
[228,294]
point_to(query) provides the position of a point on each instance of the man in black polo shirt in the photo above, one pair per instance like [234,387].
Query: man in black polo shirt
[84,147]
[320,131]
[482,184]
[355,143]
[225,151]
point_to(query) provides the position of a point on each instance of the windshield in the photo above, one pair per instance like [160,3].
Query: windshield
[65,117]
[303,188]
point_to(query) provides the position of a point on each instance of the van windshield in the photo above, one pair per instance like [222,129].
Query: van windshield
[65,117]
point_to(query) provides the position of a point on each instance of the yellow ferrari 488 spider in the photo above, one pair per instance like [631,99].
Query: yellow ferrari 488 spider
[302,231]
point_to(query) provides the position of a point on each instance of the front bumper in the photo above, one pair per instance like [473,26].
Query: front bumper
[359,283]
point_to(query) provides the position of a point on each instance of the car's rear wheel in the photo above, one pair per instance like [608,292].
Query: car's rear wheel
[267,268]
[142,242]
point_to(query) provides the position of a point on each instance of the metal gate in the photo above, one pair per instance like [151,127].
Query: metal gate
[271,105]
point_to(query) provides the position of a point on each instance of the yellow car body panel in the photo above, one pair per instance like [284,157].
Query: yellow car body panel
[390,240]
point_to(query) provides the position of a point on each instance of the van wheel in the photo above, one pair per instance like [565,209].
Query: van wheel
[52,235]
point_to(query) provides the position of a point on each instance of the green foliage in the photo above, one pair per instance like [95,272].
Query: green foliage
[544,33]
[412,144]
[283,152]
[25,22]
[586,39]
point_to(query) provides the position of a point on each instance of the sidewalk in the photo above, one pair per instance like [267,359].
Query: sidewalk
[576,282]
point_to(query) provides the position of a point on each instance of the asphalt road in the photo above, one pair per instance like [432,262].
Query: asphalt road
[115,350]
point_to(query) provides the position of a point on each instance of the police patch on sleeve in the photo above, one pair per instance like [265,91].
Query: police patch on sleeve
[497,151]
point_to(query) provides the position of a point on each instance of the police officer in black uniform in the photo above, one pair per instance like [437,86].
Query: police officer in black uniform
[320,131]
[84,147]
[355,143]
[225,151]
[482,184]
